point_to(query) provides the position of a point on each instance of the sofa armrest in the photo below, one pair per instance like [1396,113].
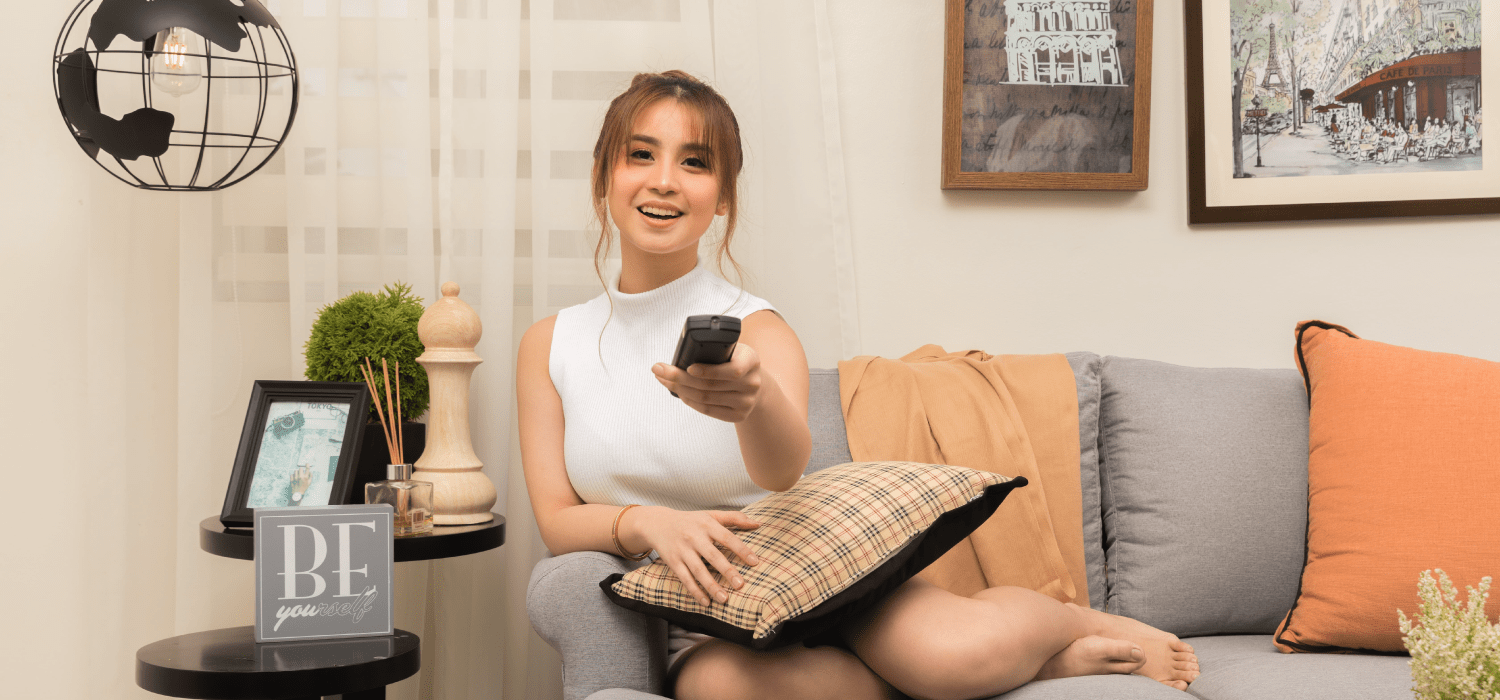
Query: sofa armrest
[602,645]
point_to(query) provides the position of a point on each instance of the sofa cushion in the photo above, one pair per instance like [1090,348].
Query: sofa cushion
[1204,491]
[825,418]
[830,547]
[1113,687]
[1248,667]
[1402,469]
[1086,367]
[623,694]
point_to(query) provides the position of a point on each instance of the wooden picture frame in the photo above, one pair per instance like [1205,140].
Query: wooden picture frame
[291,426]
[1390,175]
[1074,113]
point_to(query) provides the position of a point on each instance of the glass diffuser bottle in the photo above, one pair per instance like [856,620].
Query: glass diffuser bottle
[412,500]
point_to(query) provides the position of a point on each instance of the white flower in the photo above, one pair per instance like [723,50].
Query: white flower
[1455,651]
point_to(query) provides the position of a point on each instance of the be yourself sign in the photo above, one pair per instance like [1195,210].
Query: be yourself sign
[322,572]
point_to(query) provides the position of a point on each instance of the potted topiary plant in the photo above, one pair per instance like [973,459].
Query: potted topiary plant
[377,326]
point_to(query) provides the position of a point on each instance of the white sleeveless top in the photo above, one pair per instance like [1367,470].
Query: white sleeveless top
[625,438]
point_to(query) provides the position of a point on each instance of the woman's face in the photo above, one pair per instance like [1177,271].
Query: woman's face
[662,196]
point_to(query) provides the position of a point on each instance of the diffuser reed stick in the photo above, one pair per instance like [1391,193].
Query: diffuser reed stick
[390,442]
[395,427]
[375,395]
[400,434]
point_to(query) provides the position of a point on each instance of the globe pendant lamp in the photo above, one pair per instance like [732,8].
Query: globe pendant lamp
[177,95]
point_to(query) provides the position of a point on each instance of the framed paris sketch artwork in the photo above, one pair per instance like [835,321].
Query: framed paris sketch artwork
[1047,94]
[1330,109]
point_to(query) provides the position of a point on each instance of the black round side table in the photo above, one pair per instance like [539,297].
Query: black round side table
[445,540]
[227,664]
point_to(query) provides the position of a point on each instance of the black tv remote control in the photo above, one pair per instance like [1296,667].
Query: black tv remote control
[707,339]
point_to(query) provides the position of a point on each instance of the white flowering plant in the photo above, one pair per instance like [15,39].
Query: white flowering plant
[1455,651]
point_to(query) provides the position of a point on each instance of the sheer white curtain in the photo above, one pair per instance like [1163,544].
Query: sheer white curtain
[436,140]
[402,166]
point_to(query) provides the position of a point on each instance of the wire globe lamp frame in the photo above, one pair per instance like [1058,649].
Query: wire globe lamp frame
[247,61]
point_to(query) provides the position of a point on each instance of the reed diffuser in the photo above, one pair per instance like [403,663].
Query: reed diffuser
[412,500]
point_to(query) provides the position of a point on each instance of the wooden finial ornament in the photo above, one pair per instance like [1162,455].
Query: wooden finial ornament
[461,494]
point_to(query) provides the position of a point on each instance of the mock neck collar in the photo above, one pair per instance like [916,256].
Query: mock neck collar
[669,295]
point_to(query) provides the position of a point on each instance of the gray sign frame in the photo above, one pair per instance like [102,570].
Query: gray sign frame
[340,548]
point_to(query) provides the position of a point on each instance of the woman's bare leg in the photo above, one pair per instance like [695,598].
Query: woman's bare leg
[932,644]
[1093,656]
[721,670]
[1168,659]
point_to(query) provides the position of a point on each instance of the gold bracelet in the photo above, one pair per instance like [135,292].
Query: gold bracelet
[614,533]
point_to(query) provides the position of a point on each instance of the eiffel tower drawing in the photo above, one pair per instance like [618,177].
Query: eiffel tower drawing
[1273,79]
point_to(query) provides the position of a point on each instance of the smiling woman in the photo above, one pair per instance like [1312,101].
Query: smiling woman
[666,165]
[676,162]
[616,465]
[663,193]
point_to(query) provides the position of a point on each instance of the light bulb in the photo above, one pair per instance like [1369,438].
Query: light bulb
[177,61]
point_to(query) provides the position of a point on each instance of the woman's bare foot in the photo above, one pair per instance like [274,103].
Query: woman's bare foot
[1093,656]
[1168,659]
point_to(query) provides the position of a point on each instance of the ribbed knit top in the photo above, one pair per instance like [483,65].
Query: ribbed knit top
[625,438]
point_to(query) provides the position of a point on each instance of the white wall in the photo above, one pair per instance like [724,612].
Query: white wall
[1123,274]
[88,340]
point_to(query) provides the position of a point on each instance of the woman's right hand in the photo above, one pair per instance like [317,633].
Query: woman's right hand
[685,540]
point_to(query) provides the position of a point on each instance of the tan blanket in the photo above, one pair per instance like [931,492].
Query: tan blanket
[1009,414]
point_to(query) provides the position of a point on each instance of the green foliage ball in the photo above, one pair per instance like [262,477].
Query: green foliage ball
[371,325]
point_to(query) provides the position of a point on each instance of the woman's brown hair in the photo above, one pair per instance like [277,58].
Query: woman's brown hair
[720,132]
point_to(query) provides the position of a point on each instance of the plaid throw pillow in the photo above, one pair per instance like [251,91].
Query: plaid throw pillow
[830,547]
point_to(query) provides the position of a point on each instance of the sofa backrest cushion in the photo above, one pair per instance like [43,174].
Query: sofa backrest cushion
[830,446]
[1086,368]
[1204,493]
[825,418]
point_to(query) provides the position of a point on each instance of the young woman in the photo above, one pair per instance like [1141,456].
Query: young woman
[614,463]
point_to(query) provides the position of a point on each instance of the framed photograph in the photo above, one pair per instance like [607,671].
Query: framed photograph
[1335,109]
[1047,94]
[299,447]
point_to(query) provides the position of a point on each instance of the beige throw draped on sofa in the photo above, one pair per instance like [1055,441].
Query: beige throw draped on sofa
[1010,414]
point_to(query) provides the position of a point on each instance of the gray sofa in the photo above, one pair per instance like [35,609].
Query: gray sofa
[1195,514]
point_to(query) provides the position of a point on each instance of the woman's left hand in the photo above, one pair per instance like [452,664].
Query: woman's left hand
[729,392]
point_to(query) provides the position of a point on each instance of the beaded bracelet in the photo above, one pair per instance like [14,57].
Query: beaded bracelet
[614,533]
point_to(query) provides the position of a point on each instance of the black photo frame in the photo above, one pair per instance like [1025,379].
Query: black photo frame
[1221,192]
[284,429]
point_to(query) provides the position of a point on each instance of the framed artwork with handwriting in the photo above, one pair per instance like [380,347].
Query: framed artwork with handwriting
[1047,94]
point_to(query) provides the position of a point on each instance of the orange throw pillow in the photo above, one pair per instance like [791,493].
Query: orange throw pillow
[1403,476]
